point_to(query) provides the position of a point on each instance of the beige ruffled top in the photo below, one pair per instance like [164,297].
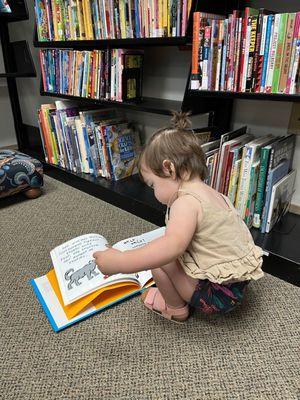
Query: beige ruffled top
[222,249]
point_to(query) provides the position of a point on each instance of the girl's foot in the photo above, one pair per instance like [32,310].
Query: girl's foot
[153,300]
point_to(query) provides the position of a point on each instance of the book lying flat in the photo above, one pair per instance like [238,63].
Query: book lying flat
[76,289]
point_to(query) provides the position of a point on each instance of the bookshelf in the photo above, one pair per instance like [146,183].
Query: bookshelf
[17,60]
[132,195]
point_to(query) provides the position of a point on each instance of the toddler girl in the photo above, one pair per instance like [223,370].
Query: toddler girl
[207,256]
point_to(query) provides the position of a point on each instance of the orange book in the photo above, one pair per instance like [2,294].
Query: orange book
[195,73]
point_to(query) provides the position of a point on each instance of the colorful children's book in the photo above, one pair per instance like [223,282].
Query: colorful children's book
[76,289]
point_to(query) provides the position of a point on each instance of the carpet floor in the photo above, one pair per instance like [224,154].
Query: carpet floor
[126,352]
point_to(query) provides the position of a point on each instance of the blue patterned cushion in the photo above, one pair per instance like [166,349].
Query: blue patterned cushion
[18,171]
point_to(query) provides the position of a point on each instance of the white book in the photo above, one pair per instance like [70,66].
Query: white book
[77,273]
[281,196]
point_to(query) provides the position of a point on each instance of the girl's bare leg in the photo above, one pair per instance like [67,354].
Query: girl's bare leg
[174,284]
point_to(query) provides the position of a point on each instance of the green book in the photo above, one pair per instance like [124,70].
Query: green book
[279,52]
[251,194]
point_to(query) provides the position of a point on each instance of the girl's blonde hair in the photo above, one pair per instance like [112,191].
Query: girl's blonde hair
[178,144]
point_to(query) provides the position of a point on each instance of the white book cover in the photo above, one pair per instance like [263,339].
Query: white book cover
[281,196]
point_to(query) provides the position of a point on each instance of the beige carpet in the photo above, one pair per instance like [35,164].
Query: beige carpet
[127,352]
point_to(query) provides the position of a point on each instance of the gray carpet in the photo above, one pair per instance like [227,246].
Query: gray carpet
[127,352]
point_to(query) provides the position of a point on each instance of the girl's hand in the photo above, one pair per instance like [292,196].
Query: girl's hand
[108,261]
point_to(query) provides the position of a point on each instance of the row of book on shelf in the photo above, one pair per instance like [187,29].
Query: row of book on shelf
[255,173]
[109,19]
[114,74]
[252,51]
[97,142]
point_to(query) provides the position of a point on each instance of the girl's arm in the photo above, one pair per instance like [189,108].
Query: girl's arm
[184,215]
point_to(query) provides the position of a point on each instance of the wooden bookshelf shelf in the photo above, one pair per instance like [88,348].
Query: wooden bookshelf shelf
[148,104]
[115,43]
[240,95]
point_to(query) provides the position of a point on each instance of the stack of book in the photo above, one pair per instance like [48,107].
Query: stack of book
[251,51]
[76,289]
[96,19]
[114,75]
[255,173]
[95,142]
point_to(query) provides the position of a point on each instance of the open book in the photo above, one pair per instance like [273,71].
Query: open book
[76,289]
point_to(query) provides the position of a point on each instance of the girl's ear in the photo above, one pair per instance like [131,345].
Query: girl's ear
[169,169]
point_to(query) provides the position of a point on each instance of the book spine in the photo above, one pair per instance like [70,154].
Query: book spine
[219,54]
[237,56]
[295,77]
[287,51]
[233,23]
[260,60]
[279,53]
[272,54]
[206,50]
[270,26]
[213,55]
[224,51]
[249,197]
[44,137]
[262,175]
[293,53]
[258,40]
[234,182]
[195,78]
[82,31]
[251,52]
[228,173]
[243,181]
[243,77]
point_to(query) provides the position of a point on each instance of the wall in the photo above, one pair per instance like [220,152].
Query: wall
[165,76]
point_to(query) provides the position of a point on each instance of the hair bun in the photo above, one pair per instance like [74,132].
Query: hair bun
[180,120]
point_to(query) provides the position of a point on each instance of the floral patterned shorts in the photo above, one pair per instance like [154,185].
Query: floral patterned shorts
[212,298]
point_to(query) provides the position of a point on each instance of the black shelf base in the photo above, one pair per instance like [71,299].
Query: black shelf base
[132,195]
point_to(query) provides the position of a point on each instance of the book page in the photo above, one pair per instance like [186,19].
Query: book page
[136,242]
[75,267]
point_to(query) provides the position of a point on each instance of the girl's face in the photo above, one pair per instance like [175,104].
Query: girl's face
[164,188]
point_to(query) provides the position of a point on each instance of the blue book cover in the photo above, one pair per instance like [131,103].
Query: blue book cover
[270,23]
[55,312]
[273,177]
[137,19]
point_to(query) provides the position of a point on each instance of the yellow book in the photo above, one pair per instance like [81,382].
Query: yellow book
[122,19]
[160,17]
[45,109]
[165,17]
[88,20]
[76,289]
